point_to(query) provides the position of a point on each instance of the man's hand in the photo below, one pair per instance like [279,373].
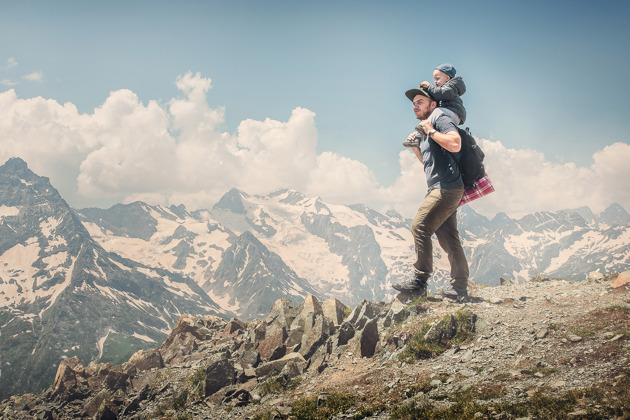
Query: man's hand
[426,125]
[424,84]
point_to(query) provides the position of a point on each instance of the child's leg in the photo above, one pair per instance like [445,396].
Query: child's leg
[446,112]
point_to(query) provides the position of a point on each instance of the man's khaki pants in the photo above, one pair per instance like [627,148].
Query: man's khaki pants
[438,214]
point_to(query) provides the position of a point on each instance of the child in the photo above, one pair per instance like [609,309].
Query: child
[446,91]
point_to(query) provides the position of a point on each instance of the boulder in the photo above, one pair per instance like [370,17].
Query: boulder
[346,332]
[275,336]
[219,373]
[622,280]
[249,359]
[397,313]
[275,367]
[316,335]
[281,314]
[70,383]
[334,310]
[144,360]
[234,327]
[364,312]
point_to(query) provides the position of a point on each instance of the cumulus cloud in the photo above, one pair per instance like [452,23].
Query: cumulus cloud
[127,150]
[36,76]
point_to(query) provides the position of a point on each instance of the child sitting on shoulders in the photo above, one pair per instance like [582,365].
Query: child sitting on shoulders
[446,91]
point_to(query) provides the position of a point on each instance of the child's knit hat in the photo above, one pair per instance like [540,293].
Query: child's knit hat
[447,69]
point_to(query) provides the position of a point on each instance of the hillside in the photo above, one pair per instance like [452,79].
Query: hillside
[548,348]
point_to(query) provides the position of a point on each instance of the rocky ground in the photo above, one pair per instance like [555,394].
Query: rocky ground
[541,349]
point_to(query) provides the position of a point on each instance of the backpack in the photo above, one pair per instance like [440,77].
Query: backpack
[471,158]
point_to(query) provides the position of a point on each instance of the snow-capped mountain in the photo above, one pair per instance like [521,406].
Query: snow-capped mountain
[565,244]
[94,281]
[63,295]
[354,253]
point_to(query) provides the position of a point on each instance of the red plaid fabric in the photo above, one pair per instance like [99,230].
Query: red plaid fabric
[482,186]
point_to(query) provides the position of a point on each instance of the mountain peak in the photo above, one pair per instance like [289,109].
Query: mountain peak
[614,215]
[232,201]
[15,164]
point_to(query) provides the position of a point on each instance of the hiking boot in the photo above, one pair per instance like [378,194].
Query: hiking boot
[414,143]
[416,140]
[415,286]
[454,293]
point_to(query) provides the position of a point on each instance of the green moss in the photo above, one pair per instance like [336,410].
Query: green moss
[308,409]
[451,329]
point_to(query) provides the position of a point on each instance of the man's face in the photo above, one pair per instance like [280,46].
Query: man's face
[423,106]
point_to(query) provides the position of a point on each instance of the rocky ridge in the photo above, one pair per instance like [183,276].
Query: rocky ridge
[542,349]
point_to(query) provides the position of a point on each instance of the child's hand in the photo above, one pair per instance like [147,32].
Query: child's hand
[424,84]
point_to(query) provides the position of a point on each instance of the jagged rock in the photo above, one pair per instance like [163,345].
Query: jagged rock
[364,312]
[295,337]
[144,360]
[622,280]
[334,310]
[369,339]
[291,370]
[259,332]
[364,343]
[219,373]
[594,276]
[396,314]
[282,313]
[187,334]
[278,352]
[346,332]
[442,330]
[250,359]
[234,326]
[316,335]
[70,383]
[275,336]
[312,306]
[275,367]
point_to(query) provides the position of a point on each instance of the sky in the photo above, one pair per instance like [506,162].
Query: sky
[177,102]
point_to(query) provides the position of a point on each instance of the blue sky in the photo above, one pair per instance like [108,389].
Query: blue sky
[541,75]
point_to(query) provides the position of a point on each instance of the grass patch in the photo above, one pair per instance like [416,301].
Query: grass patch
[582,332]
[196,384]
[619,308]
[436,336]
[608,400]
[118,348]
[278,384]
[322,409]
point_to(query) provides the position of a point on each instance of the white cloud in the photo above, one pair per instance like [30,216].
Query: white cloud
[8,82]
[36,76]
[127,150]
[11,62]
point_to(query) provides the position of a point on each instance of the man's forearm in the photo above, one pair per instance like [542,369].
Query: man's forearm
[451,141]
[418,153]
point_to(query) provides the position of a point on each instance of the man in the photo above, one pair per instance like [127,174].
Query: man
[438,150]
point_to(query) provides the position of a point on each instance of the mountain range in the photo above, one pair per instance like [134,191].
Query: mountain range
[100,284]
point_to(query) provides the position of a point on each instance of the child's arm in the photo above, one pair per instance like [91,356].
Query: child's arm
[449,90]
